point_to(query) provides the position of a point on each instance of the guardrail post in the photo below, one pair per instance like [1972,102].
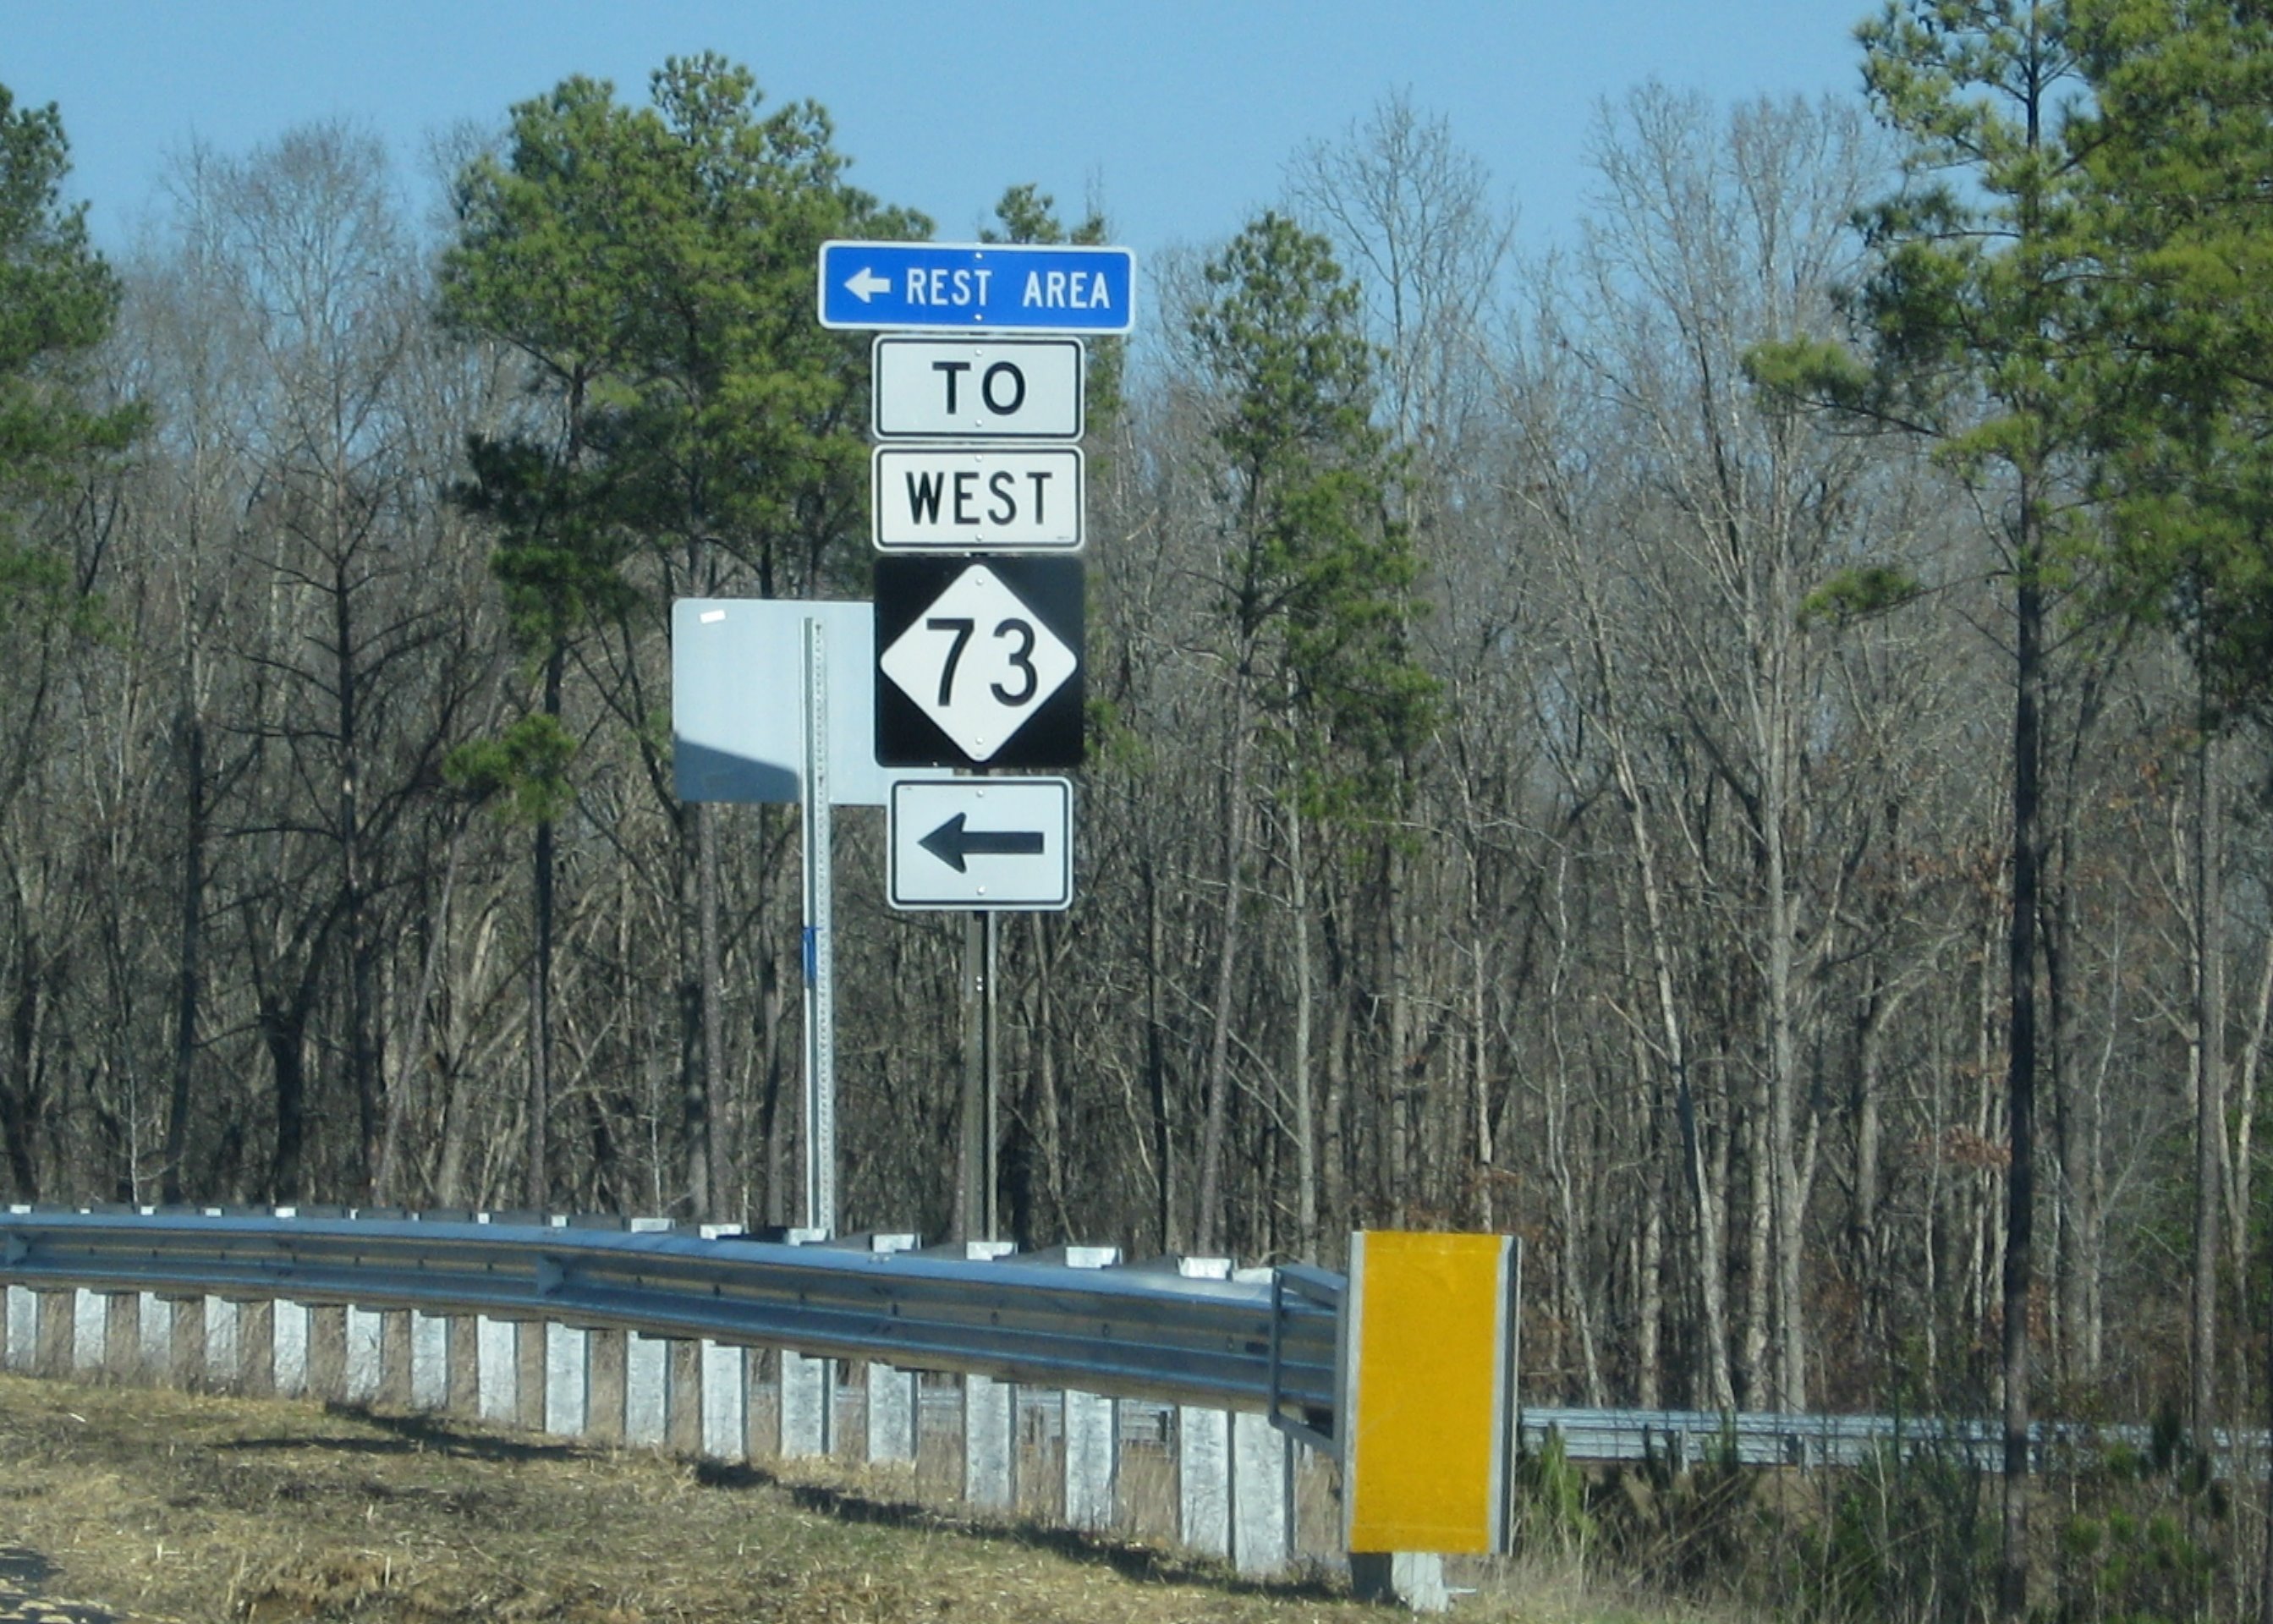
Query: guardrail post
[1089,1427]
[289,1325]
[894,1422]
[726,1401]
[889,1432]
[1203,1451]
[647,1389]
[430,1360]
[805,1395]
[362,1356]
[497,1381]
[895,1419]
[1262,1496]
[725,1385]
[22,1328]
[990,1413]
[990,1442]
[1262,1483]
[568,1372]
[645,1402]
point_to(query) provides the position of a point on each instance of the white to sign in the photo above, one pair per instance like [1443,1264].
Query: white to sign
[978,662]
[977,498]
[966,389]
[981,843]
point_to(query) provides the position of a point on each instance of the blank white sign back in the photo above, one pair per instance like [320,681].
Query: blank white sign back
[738,700]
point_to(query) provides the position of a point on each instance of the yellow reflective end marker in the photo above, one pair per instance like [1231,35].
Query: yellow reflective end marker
[1426,1397]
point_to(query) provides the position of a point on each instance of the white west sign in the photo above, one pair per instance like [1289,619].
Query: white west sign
[965,389]
[977,498]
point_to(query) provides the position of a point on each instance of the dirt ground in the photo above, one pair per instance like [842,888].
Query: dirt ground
[146,1505]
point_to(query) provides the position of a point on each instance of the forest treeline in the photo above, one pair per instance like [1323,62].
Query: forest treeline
[1730,751]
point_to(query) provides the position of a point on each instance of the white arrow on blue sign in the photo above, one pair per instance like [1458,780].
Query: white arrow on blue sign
[983,286]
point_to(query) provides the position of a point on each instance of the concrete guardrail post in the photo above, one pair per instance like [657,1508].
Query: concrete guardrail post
[1262,1483]
[22,1328]
[990,1413]
[724,1386]
[1203,1451]
[647,1389]
[806,1394]
[430,1361]
[568,1376]
[498,1369]
[894,1419]
[19,1332]
[647,1372]
[362,1363]
[289,1326]
[1089,1427]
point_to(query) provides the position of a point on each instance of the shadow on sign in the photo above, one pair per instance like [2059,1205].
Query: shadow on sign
[707,774]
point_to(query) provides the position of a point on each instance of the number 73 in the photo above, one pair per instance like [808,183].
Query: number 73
[1017,661]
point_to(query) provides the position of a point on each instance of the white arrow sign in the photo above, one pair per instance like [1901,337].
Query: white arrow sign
[981,843]
[978,498]
[864,284]
[964,389]
[978,662]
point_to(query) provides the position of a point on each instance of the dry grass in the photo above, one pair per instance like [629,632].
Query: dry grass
[169,1506]
[168,1509]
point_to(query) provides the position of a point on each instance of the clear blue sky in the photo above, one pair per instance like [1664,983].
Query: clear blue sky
[1180,114]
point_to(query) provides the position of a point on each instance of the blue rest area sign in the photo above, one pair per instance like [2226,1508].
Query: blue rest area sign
[982,286]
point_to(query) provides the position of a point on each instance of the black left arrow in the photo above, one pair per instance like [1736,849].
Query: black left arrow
[952,844]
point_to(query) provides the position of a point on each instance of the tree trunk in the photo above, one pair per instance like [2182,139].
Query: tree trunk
[388,1183]
[537,1170]
[2020,1072]
[1208,1207]
[189,985]
[1306,1155]
[2210,1074]
[1717,1389]
[1403,1096]
[1156,1068]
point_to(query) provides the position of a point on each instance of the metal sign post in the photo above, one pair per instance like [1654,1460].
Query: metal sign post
[820,1211]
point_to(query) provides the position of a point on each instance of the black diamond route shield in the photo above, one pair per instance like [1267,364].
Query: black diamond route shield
[979,660]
